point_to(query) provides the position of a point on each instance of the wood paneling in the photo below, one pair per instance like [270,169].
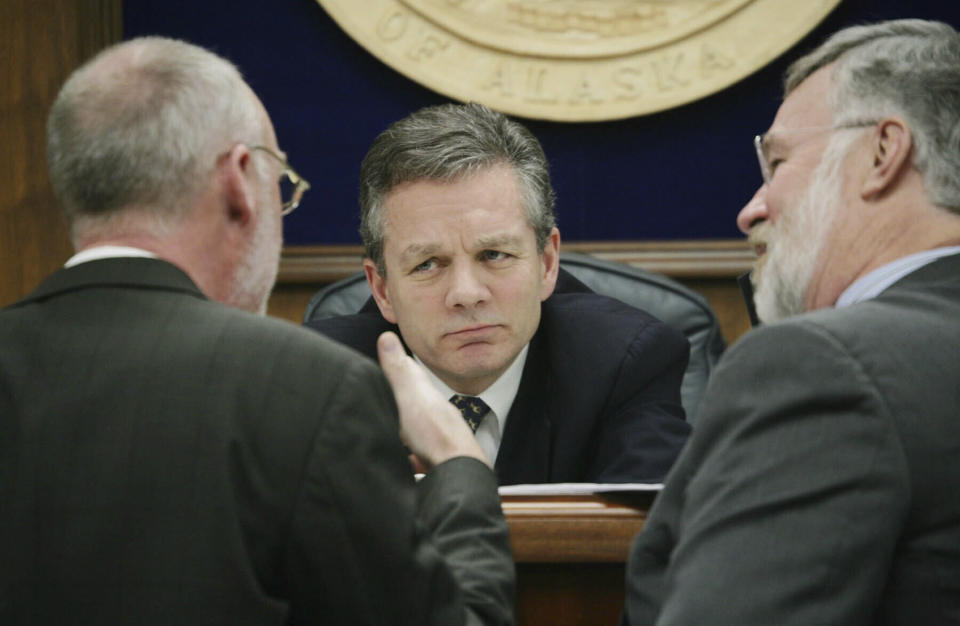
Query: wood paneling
[570,553]
[570,594]
[41,42]
[289,300]
[575,529]
[723,296]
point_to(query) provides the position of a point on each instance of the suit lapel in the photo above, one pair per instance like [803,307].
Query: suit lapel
[527,443]
[943,270]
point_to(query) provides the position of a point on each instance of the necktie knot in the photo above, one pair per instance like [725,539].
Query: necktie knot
[472,408]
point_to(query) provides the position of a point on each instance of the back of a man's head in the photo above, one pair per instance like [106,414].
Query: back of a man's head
[138,128]
[907,68]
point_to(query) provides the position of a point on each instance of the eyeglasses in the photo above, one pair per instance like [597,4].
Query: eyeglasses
[758,143]
[292,185]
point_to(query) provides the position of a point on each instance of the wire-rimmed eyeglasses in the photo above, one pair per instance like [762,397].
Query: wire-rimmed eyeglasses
[758,143]
[292,185]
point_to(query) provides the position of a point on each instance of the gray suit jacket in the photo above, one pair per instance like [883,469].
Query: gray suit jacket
[168,460]
[821,484]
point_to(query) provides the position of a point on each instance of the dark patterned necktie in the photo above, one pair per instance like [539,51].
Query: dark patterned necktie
[471,408]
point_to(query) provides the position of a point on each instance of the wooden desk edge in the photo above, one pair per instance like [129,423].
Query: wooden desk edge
[574,529]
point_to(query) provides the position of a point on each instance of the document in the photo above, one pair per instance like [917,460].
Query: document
[576,489]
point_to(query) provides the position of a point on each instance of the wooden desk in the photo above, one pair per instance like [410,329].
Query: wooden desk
[570,553]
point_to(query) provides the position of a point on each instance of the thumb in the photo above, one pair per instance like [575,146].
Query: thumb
[392,357]
[430,426]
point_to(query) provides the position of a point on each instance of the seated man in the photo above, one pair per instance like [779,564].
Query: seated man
[462,256]
[820,485]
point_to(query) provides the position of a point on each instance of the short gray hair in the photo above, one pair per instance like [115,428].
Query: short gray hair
[141,125]
[444,143]
[909,68]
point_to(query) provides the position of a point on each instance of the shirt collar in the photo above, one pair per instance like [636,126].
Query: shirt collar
[873,283]
[500,395]
[107,252]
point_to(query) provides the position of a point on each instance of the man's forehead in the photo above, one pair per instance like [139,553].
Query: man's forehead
[482,219]
[807,106]
[482,209]
[496,239]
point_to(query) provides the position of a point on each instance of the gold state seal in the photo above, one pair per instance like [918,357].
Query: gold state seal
[577,60]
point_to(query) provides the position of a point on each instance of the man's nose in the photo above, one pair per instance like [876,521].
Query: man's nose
[754,211]
[467,286]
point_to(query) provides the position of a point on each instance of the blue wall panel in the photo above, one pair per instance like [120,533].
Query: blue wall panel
[678,174]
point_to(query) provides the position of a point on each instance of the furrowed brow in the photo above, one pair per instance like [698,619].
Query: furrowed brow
[499,241]
[418,250]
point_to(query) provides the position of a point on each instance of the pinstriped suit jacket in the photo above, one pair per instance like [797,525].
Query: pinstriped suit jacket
[168,460]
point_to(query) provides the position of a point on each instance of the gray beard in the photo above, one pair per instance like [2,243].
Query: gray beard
[795,243]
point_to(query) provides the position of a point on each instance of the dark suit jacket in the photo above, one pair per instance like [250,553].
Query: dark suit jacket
[168,460]
[599,399]
[821,483]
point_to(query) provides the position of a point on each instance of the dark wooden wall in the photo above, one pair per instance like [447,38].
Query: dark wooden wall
[41,42]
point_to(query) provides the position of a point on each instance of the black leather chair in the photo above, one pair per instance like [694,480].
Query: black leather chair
[666,299]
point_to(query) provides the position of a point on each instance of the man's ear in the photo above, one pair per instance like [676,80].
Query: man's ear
[379,289]
[892,146]
[550,264]
[237,190]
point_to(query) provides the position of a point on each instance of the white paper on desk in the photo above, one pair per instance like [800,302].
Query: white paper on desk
[575,489]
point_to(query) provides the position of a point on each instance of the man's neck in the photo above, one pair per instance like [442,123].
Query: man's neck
[184,243]
[918,231]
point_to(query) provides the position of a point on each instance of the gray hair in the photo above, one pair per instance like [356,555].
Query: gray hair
[908,68]
[444,143]
[141,126]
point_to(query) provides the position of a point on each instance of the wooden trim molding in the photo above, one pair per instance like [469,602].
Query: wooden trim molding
[318,264]
[721,258]
[575,529]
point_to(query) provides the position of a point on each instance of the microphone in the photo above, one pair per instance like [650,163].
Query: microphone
[746,288]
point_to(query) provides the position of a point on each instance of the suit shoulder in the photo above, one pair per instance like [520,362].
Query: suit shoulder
[783,340]
[573,305]
[279,339]
[805,352]
[590,315]
[358,331]
[828,330]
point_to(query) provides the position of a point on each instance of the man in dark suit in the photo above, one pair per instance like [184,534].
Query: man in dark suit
[820,486]
[462,258]
[166,459]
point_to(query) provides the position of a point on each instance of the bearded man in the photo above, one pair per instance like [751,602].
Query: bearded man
[820,485]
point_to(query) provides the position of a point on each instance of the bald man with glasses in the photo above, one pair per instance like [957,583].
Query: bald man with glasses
[167,459]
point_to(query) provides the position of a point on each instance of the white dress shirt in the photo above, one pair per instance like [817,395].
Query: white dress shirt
[107,252]
[499,397]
